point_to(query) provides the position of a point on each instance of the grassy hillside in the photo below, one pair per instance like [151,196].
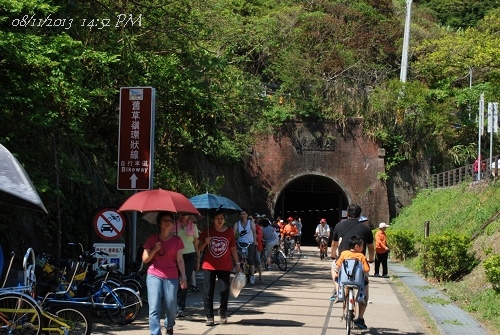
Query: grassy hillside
[475,211]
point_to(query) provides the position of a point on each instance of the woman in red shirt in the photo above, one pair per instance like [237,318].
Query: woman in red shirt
[219,244]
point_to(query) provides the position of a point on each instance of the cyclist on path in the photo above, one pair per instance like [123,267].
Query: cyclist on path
[246,233]
[343,232]
[271,238]
[322,229]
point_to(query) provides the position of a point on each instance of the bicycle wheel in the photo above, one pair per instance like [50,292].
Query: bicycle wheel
[128,305]
[77,319]
[19,315]
[280,260]
[263,259]
[349,321]
[134,285]
[349,309]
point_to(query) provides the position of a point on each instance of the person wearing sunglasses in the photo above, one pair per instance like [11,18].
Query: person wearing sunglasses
[163,252]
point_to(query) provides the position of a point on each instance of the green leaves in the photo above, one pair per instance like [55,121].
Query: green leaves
[446,256]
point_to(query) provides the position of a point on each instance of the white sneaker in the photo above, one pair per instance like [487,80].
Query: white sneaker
[252,280]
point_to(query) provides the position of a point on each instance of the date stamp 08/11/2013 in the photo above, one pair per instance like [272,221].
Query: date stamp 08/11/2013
[120,20]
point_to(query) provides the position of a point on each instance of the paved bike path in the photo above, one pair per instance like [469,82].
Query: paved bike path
[298,302]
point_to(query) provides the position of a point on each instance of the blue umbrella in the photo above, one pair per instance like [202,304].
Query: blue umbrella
[209,201]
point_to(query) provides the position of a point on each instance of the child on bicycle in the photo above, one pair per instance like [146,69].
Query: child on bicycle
[355,252]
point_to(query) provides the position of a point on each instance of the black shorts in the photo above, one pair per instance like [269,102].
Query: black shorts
[298,238]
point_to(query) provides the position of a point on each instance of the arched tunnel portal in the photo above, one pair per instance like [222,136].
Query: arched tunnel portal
[311,198]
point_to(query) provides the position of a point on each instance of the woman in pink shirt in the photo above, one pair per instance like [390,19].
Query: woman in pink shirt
[164,253]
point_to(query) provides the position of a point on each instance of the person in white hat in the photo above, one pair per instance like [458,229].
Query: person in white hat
[382,250]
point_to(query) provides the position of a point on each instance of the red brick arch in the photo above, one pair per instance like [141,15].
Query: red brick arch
[340,154]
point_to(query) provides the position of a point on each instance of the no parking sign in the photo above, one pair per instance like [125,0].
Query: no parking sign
[109,224]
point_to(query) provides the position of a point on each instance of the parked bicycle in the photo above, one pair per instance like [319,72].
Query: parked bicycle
[134,280]
[121,304]
[21,314]
[277,257]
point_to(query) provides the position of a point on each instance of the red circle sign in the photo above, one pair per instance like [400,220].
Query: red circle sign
[109,224]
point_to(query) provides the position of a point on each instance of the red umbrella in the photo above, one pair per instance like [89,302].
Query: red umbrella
[159,200]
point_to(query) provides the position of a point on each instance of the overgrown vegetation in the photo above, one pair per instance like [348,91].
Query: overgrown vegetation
[226,72]
[447,256]
[492,269]
[461,253]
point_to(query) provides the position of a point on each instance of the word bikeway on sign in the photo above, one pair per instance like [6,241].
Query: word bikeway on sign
[136,138]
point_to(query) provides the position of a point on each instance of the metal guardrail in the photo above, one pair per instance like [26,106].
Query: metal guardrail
[465,174]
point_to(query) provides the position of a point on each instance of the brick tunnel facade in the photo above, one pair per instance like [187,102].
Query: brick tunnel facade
[315,170]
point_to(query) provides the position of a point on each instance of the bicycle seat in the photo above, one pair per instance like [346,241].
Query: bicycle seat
[109,267]
[89,259]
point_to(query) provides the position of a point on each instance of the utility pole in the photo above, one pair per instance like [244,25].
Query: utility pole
[480,133]
[406,43]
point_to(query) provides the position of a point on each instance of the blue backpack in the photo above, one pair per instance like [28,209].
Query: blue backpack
[351,274]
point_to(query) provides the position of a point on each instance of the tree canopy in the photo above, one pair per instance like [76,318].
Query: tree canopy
[226,71]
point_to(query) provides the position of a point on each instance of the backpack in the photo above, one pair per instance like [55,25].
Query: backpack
[351,273]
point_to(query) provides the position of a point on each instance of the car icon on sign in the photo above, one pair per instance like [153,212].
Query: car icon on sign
[106,227]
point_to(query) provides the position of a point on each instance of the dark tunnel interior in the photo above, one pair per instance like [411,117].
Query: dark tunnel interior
[311,198]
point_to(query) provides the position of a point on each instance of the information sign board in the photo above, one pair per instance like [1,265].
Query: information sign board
[136,138]
[115,253]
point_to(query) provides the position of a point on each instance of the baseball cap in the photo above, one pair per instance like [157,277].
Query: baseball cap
[322,220]
[290,219]
[383,225]
[362,218]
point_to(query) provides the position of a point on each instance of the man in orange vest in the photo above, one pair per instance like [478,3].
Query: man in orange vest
[288,233]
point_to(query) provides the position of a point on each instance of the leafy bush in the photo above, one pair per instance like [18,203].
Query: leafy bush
[401,243]
[446,256]
[492,269]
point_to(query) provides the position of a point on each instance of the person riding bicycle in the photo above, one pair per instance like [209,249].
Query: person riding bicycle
[343,232]
[271,239]
[322,230]
[355,251]
[247,234]
[288,234]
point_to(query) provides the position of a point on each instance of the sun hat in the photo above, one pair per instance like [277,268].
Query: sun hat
[239,281]
[322,220]
[383,225]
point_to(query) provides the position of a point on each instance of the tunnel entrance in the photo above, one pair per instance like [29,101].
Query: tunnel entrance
[311,198]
